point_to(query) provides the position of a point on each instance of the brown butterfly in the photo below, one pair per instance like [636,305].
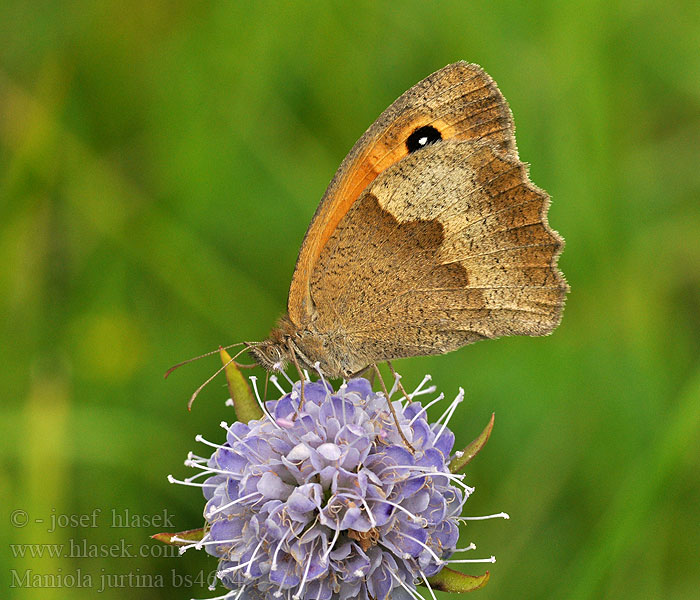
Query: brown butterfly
[430,236]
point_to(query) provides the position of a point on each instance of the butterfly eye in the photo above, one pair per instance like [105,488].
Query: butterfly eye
[422,137]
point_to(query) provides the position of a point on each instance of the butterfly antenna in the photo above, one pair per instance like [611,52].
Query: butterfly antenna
[208,381]
[248,346]
[392,411]
[189,360]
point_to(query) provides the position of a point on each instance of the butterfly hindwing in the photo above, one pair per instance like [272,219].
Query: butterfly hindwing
[448,246]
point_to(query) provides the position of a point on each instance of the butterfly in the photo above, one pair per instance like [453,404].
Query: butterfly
[429,237]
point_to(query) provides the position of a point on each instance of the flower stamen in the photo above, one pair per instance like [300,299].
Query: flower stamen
[232,503]
[449,412]
[297,596]
[425,408]
[276,383]
[501,515]
[412,592]
[284,494]
[460,561]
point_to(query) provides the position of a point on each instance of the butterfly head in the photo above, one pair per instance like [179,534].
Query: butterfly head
[275,353]
[270,354]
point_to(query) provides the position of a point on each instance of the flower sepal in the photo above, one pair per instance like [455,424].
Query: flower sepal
[242,397]
[181,538]
[463,458]
[449,580]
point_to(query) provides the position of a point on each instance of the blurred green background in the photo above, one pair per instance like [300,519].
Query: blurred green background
[159,164]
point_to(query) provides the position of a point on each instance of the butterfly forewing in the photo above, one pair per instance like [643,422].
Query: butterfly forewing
[459,101]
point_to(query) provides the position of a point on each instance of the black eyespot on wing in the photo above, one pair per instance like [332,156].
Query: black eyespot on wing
[422,137]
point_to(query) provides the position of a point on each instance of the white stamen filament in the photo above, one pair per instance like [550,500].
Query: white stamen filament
[297,596]
[225,596]
[236,568]
[176,538]
[172,479]
[207,469]
[252,558]
[236,501]
[414,518]
[188,543]
[191,462]
[471,546]
[243,442]
[431,389]
[328,398]
[413,593]
[254,381]
[454,477]
[394,387]
[345,417]
[317,366]
[202,440]
[425,408]
[239,594]
[427,584]
[500,515]
[447,410]
[195,457]
[461,561]
[327,553]
[277,550]
[284,374]
[419,389]
[276,383]
[202,543]
[372,520]
[428,548]
[451,411]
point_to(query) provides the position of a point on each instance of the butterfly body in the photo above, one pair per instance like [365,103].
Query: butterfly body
[430,236]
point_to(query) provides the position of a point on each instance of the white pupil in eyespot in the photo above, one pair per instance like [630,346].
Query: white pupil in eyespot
[423,141]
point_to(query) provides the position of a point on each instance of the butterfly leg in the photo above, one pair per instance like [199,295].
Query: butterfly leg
[371,376]
[368,373]
[391,409]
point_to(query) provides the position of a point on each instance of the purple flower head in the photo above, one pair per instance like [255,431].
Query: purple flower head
[329,503]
